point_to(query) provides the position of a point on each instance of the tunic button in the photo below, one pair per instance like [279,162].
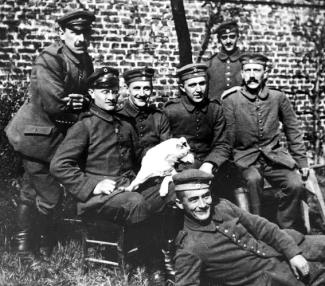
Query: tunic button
[141,134]
[197,127]
[263,254]
[252,247]
[217,227]
[228,84]
[238,240]
[260,121]
[233,235]
[258,251]
[226,230]
[244,245]
[228,79]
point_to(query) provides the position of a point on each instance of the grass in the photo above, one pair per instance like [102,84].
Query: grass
[64,267]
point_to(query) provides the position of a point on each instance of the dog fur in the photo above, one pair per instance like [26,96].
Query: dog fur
[159,161]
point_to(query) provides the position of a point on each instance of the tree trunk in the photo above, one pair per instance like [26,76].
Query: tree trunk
[183,34]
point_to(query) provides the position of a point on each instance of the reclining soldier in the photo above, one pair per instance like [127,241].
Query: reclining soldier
[233,247]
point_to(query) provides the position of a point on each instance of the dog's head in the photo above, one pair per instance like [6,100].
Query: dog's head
[179,150]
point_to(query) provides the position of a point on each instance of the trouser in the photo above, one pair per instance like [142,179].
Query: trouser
[288,184]
[130,207]
[39,187]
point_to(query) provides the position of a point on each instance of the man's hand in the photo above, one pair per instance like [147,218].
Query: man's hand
[304,173]
[75,101]
[105,187]
[298,264]
[206,167]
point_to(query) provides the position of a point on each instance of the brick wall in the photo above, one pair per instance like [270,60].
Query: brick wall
[136,33]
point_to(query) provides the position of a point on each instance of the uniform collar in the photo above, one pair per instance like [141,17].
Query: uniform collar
[209,226]
[133,111]
[190,106]
[263,94]
[107,116]
[223,56]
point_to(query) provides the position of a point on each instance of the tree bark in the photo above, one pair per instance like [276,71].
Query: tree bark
[183,34]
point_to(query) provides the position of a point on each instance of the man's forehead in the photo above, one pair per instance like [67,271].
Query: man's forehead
[253,66]
[228,32]
[196,192]
[196,79]
[144,82]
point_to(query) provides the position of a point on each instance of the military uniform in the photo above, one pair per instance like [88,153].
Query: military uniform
[234,247]
[202,125]
[224,72]
[253,128]
[151,124]
[224,69]
[41,123]
[102,145]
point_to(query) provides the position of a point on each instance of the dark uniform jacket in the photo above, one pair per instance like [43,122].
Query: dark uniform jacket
[235,248]
[151,124]
[224,72]
[253,128]
[99,146]
[42,122]
[202,125]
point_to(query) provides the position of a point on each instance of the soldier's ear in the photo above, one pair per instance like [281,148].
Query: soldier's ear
[91,92]
[181,87]
[179,204]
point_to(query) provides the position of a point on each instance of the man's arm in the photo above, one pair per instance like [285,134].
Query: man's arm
[291,126]
[220,150]
[267,232]
[49,80]
[164,127]
[65,165]
[188,268]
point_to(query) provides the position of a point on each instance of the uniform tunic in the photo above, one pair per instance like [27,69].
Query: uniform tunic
[203,126]
[151,124]
[103,146]
[224,72]
[237,248]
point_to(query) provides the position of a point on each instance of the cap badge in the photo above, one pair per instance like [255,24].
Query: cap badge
[105,70]
[195,69]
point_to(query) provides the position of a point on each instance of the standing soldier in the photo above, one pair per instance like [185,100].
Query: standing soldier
[57,92]
[224,67]
[150,123]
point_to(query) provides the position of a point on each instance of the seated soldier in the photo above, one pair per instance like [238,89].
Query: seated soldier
[253,116]
[98,156]
[233,247]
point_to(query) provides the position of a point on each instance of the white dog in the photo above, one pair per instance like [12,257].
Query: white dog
[159,161]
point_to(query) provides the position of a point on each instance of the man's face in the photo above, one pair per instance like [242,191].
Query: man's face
[253,76]
[229,41]
[76,41]
[196,204]
[140,92]
[195,88]
[105,98]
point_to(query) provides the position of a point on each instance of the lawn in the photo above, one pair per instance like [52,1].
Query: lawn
[64,268]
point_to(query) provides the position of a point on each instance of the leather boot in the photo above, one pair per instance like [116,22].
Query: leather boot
[46,234]
[24,238]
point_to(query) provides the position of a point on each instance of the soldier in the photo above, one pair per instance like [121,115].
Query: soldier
[253,118]
[57,95]
[97,159]
[224,66]
[151,123]
[233,247]
[198,119]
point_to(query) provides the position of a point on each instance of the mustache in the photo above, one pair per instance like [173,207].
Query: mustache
[112,101]
[252,80]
